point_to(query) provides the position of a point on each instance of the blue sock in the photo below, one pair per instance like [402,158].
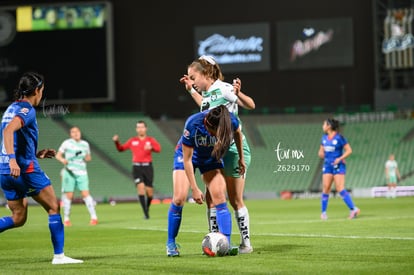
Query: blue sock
[324,202]
[347,199]
[224,220]
[174,222]
[6,223]
[57,233]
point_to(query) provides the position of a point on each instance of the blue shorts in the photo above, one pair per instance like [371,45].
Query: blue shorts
[339,169]
[26,185]
[203,167]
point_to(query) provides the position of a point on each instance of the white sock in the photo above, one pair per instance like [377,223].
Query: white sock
[243,222]
[67,204]
[212,219]
[394,192]
[91,207]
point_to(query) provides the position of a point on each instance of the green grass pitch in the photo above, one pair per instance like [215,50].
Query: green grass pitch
[288,238]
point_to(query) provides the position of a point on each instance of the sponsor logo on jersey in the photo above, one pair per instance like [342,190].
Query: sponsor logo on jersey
[24,111]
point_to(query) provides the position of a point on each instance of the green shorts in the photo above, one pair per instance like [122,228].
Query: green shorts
[70,182]
[231,160]
[392,179]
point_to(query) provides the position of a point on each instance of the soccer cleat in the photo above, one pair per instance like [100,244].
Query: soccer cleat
[93,222]
[172,250]
[245,249]
[324,217]
[233,251]
[67,223]
[354,213]
[62,259]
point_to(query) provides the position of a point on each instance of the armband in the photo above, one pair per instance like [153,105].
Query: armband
[192,91]
[11,156]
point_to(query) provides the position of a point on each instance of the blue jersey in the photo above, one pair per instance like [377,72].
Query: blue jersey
[333,147]
[25,139]
[195,135]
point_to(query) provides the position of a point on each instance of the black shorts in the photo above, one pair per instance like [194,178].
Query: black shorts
[143,173]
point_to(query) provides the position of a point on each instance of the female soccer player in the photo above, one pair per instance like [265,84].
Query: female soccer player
[73,153]
[142,147]
[20,172]
[334,149]
[206,138]
[392,175]
[205,77]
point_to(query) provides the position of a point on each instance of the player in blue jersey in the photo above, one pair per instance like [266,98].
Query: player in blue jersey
[334,149]
[206,138]
[204,81]
[20,172]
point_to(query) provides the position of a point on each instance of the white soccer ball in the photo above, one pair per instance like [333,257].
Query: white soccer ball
[215,244]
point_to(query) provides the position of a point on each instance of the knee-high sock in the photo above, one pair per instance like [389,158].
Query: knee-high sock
[149,199]
[91,206]
[224,219]
[57,233]
[143,204]
[174,222]
[346,197]
[212,219]
[324,202]
[243,222]
[67,204]
[6,223]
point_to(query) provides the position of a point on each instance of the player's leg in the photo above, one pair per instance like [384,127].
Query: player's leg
[235,191]
[82,183]
[339,180]
[14,192]
[216,185]
[181,186]
[327,179]
[68,187]
[47,199]
[211,213]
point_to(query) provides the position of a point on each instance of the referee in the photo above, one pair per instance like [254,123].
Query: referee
[141,147]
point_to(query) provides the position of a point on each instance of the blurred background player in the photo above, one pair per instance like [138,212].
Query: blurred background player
[392,175]
[204,81]
[206,138]
[20,172]
[141,147]
[334,149]
[73,153]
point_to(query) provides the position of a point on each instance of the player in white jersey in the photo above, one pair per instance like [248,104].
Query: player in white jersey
[73,153]
[392,175]
[205,77]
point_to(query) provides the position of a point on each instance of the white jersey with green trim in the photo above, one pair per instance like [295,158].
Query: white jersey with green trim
[220,93]
[75,153]
[391,165]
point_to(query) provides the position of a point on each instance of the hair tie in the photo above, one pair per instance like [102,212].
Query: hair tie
[208,58]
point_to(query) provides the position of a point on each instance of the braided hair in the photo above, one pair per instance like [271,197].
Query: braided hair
[28,83]
[218,119]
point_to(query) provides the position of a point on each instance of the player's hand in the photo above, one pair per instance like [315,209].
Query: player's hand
[236,85]
[115,138]
[198,196]
[46,153]
[242,167]
[188,83]
[14,168]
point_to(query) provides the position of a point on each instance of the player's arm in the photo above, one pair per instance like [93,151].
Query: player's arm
[345,154]
[189,171]
[188,83]
[59,157]
[238,139]
[243,100]
[88,157]
[8,137]
[321,152]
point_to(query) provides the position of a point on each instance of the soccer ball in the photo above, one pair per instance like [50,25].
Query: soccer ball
[215,244]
